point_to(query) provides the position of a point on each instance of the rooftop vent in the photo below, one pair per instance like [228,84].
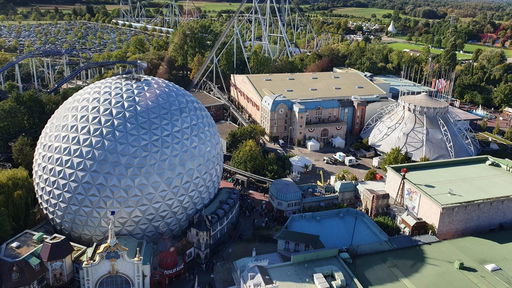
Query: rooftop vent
[312,89]
[336,88]
[335,77]
[268,79]
[291,78]
[359,86]
[15,245]
[314,77]
[492,267]
[289,90]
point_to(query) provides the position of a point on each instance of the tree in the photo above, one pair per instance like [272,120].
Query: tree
[370,175]
[502,95]
[424,159]
[508,134]
[241,134]
[277,166]
[17,196]
[483,124]
[387,225]
[345,175]
[394,157]
[496,130]
[5,225]
[23,152]
[491,58]
[448,59]
[249,157]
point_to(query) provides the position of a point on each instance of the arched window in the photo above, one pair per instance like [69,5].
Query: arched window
[114,281]
[324,133]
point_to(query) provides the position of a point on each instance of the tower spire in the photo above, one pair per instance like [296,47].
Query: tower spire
[112,240]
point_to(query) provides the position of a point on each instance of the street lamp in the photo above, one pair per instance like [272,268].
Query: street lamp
[289,133]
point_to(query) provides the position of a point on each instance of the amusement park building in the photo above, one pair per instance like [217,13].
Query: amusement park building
[458,196]
[35,259]
[301,106]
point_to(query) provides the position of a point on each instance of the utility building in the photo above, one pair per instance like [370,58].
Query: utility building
[459,196]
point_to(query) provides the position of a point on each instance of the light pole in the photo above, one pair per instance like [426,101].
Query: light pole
[289,133]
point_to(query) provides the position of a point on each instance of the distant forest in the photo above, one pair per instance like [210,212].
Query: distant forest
[57,2]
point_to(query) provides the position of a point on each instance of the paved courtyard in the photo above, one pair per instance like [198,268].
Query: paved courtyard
[328,169]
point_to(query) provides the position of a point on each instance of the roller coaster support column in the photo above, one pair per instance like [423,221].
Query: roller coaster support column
[33,71]
[18,77]
[65,63]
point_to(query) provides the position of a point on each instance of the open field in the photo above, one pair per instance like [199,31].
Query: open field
[401,46]
[472,47]
[362,12]
[215,6]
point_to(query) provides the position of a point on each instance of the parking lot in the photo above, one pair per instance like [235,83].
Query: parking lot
[318,164]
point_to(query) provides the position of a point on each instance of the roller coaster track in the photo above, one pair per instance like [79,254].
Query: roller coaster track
[247,174]
[41,53]
[139,67]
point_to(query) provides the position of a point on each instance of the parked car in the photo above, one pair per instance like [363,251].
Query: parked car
[350,161]
[340,156]
[331,160]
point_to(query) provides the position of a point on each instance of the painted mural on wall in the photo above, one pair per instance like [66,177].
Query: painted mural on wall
[412,199]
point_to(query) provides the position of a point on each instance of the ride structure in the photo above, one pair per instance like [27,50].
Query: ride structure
[49,70]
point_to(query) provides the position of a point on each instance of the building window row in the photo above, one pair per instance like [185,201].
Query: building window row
[246,98]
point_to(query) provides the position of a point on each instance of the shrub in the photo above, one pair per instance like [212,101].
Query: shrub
[387,225]
[370,175]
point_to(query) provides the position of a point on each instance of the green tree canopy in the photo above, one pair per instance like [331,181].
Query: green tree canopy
[387,225]
[502,95]
[249,157]
[241,134]
[395,156]
[277,166]
[23,152]
[17,197]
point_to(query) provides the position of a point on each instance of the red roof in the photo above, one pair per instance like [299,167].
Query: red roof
[226,184]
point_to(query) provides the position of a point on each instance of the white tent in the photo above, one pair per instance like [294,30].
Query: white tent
[391,28]
[299,163]
[313,145]
[338,142]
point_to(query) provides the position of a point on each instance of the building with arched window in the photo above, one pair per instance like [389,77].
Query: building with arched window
[301,106]
[118,263]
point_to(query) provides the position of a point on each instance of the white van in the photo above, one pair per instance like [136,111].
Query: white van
[349,161]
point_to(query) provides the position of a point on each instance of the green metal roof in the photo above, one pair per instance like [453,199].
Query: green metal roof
[33,260]
[433,265]
[455,181]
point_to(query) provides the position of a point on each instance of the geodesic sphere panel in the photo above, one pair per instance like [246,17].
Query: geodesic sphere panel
[137,145]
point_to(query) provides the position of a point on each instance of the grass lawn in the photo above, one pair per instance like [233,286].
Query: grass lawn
[419,47]
[362,12]
[213,6]
[472,47]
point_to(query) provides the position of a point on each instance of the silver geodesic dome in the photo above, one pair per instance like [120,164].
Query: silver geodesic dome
[137,145]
